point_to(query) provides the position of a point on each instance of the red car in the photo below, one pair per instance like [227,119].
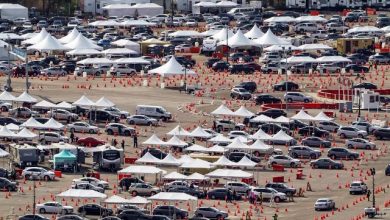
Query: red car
[90,142]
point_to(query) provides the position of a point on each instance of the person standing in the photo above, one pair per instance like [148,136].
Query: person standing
[368,195]
[123,144]
[71,136]
[135,141]
[115,142]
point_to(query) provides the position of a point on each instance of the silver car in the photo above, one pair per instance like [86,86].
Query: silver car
[240,188]
[118,112]
[328,126]
[211,213]
[141,120]
[360,143]
[284,160]
[303,152]
[89,186]
[297,97]
[52,137]
[120,129]
[351,132]
[324,204]
[38,173]
[81,126]
[53,71]
[61,114]
[22,112]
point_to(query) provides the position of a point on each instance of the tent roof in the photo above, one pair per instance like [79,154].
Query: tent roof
[222,110]
[169,160]
[172,196]
[280,48]
[5,132]
[175,176]
[153,140]
[282,119]
[226,4]
[199,132]
[364,29]
[300,59]
[310,18]
[229,173]
[83,101]
[137,23]
[238,40]
[13,127]
[124,42]
[3,153]
[282,19]
[119,51]
[332,59]
[179,131]
[98,60]
[25,133]
[322,117]
[37,38]
[216,149]
[77,52]
[172,67]
[243,112]
[246,162]
[65,154]
[196,148]
[45,104]
[221,35]
[261,135]
[49,43]
[6,96]
[70,36]
[197,163]
[104,103]
[148,158]
[237,144]
[117,6]
[64,105]
[175,141]
[314,47]
[220,138]
[186,33]
[32,123]
[302,115]
[82,193]
[254,33]
[197,176]
[53,124]
[282,136]
[114,199]
[262,118]
[223,161]
[25,97]
[81,42]
[105,23]
[138,200]
[141,169]
[270,38]
[260,146]
[133,60]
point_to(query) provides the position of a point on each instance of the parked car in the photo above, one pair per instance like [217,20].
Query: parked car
[92,180]
[8,185]
[360,143]
[340,152]
[117,112]
[143,189]
[131,214]
[83,127]
[273,113]
[223,125]
[284,160]
[316,142]
[37,173]
[269,193]
[283,85]
[241,68]
[356,68]
[54,207]
[170,211]
[33,217]
[120,129]
[237,156]
[90,142]
[155,152]
[141,120]
[102,116]
[61,114]
[126,182]
[313,131]
[326,163]
[240,93]
[297,97]
[387,170]
[94,209]
[54,71]
[125,207]
[52,137]
[219,193]
[358,187]
[248,85]
[239,187]
[266,98]
[220,66]
[281,187]
[351,132]
[234,134]
[324,204]
[22,112]
[211,213]
[364,126]
[87,186]
[328,126]
[193,191]
[382,133]
[303,152]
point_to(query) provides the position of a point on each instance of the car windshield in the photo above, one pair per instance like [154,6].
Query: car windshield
[322,200]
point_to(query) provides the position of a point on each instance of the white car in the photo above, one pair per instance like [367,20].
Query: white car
[123,70]
[324,204]
[191,23]
[358,187]
[239,187]
[363,125]
[62,114]
[319,34]
[54,207]
[73,24]
[269,193]
[38,173]
[351,132]
[284,160]
[305,27]
[117,111]
[93,181]
[328,68]
[53,71]
[360,143]
[183,48]
[234,134]
[52,137]
[88,186]
[5,106]
[328,126]
[81,126]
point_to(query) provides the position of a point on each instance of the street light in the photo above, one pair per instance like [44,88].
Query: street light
[8,86]
[373,186]
[286,49]
[185,77]
[227,43]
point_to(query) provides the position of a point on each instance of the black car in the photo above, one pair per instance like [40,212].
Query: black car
[185,61]
[356,68]
[128,181]
[241,68]
[358,58]
[273,113]
[9,120]
[382,22]
[294,124]
[124,207]
[170,211]
[51,59]
[249,86]
[94,209]
[271,128]
[236,56]
[282,86]
[8,185]
[281,187]
[102,116]
[4,173]
[365,85]
[237,156]
[155,152]
[382,133]
[209,63]
[220,193]
[313,131]
[133,214]
[387,170]
[188,190]
[70,217]
[266,98]
[220,66]
[269,14]
[159,217]
[33,217]
[69,67]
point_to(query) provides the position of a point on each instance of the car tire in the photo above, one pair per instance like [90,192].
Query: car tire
[315,166]
[149,123]
[152,193]
[306,100]
[42,211]
[350,146]
[131,122]
[293,165]
[4,109]
[368,147]
[313,156]
[91,131]
[212,197]
[277,199]
[134,193]
[72,130]
[342,135]
[360,136]
[109,132]
[46,178]
[351,157]
[295,155]
[127,133]
[289,100]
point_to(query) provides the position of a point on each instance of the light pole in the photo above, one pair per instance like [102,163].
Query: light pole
[227,43]
[373,186]
[185,78]
[286,67]
[8,86]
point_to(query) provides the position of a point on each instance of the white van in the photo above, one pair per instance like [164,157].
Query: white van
[244,10]
[153,111]
[208,46]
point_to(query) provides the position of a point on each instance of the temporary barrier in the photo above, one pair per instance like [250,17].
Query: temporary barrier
[300,105]
[278,179]
[58,173]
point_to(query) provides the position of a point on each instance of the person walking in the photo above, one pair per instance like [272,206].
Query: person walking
[71,136]
[123,144]
[368,195]
[135,141]
[229,196]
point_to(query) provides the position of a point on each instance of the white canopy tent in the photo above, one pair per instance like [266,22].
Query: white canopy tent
[309,18]
[197,177]
[246,162]
[53,124]
[254,33]
[178,131]
[299,59]
[229,173]
[196,148]
[280,19]
[331,59]
[222,35]
[64,105]
[222,110]
[82,193]
[124,51]
[114,199]
[132,60]
[171,68]
[81,42]
[45,104]
[138,200]
[196,164]
[306,47]
[269,39]
[154,140]
[282,136]
[243,112]
[175,176]
[135,169]
[169,160]
[70,36]
[49,43]
[26,134]
[322,117]
[37,38]
[79,52]
[365,29]
[25,97]
[260,146]
[199,132]
[220,138]
[224,162]
[236,144]
[6,96]
[176,142]
[216,149]
[147,159]
[83,101]
[103,102]
[261,135]
[173,197]
[127,44]
[6,133]
[238,40]
[279,48]
[133,23]
[186,33]
[100,60]
[32,123]
[108,23]
[302,115]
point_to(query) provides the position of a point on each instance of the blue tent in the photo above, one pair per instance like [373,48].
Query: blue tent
[64,158]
